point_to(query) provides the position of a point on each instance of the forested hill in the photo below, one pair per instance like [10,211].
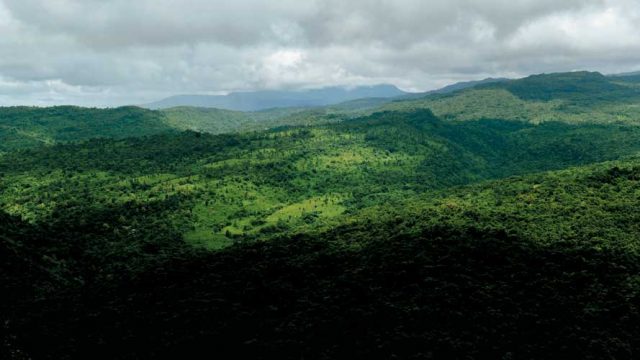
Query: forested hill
[579,88]
[580,97]
[469,272]
[576,97]
[498,225]
[228,187]
[24,127]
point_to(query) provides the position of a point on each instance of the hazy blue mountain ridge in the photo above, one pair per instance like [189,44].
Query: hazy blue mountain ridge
[261,100]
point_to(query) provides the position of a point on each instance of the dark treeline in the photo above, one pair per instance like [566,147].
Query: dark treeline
[439,293]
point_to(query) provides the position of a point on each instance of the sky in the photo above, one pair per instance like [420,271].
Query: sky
[119,52]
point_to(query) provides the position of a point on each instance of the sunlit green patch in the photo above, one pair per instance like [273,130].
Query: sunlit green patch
[232,208]
[321,207]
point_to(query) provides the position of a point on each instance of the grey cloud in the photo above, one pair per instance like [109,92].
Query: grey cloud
[112,52]
[116,23]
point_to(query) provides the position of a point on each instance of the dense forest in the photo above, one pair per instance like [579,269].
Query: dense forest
[26,127]
[579,97]
[230,187]
[496,221]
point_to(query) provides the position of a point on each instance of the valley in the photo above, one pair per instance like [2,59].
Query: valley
[448,223]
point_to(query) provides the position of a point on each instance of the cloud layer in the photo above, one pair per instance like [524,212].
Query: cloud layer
[114,52]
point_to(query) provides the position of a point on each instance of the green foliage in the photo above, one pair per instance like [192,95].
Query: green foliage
[592,206]
[442,292]
[216,121]
[28,127]
[484,103]
[24,127]
[582,88]
[579,97]
[243,186]
[395,235]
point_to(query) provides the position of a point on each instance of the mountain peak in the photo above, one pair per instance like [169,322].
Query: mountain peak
[582,86]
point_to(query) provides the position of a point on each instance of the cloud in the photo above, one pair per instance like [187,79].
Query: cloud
[113,52]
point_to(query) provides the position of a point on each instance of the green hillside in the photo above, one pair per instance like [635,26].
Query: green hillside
[232,187]
[26,127]
[214,121]
[578,88]
[470,270]
[579,97]
[23,127]
[217,121]
[592,206]
[499,221]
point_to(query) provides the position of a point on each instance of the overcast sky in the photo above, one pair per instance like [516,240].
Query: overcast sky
[114,52]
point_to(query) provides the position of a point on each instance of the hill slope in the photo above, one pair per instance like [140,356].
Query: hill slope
[23,127]
[579,97]
[401,234]
[468,273]
[259,184]
[27,127]
[580,88]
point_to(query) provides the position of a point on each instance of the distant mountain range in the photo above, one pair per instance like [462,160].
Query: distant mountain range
[261,100]
[270,99]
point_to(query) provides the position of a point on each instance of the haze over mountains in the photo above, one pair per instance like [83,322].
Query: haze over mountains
[270,99]
[261,100]
[375,95]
